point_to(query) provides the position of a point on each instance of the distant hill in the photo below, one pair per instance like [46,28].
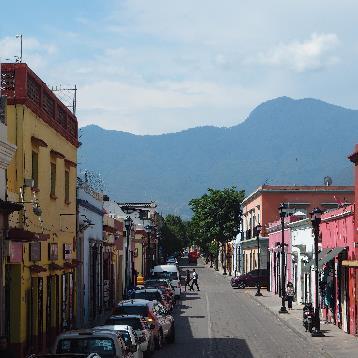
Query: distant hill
[283,141]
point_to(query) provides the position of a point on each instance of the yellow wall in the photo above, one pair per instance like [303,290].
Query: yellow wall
[22,124]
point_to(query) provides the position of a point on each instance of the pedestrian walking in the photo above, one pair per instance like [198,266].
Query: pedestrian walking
[195,281]
[187,279]
[290,293]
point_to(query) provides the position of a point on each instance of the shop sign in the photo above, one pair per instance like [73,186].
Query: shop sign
[35,251]
[52,251]
[15,252]
[67,251]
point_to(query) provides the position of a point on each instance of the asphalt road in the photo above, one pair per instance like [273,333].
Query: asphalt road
[222,322]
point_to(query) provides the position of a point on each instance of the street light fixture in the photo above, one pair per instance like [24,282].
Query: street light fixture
[316,220]
[283,212]
[258,229]
[128,222]
[148,229]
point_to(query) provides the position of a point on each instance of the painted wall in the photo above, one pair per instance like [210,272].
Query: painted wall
[93,232]
[22,125]
[338,230]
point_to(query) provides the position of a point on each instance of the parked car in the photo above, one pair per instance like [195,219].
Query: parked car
[153,294]
[193,257]
[106,344]
[164,286]
[251,279]
[170,272]
[141,328]
[160,321]
[131,342]
[172,261]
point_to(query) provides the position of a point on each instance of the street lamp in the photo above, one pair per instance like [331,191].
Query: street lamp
[283,211]
[128,224]
[148,229]
[316,220]
[258,230]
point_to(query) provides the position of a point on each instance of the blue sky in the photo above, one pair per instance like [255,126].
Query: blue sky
[157,66]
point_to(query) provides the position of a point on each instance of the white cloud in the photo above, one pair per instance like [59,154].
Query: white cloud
[35,52]
[310,55]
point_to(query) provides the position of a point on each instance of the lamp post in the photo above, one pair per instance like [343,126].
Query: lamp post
[257,231]
[316,220]
[282,210]
[148,230]
[128,224]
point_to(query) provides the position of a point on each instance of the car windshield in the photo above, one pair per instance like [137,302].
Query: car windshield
[135,323]
[150,296]
[131,309]
[155,283]
[86,345]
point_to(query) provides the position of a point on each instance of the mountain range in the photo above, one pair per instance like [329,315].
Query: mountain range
[283,141]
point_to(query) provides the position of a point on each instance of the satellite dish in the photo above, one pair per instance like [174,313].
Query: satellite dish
[327,181]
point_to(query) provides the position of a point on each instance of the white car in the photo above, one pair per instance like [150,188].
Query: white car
[170,272]
[138,323]
[128,335]
[104,343]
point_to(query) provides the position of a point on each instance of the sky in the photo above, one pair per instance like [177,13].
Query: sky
[159,66]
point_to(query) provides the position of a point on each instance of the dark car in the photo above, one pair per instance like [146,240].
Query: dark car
[152,294]
[251,279]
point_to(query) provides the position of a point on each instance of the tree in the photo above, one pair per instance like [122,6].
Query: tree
[216,216]
[173,233]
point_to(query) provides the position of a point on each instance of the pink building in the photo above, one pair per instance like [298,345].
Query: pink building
[274,246]
[338,282]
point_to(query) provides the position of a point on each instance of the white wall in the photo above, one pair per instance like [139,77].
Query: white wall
[94,232]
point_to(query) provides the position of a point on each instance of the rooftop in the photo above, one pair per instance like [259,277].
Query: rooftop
[22,86]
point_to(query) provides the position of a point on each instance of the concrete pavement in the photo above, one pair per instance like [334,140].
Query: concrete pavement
[221,322]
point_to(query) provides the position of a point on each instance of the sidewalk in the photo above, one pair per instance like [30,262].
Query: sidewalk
[335,343]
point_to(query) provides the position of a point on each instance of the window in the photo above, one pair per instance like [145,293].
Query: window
[67,186]
[53,179]
[35,169]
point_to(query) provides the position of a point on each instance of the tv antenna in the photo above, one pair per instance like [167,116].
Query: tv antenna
[68,96]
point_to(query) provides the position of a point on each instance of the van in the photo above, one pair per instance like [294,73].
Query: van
[172,273]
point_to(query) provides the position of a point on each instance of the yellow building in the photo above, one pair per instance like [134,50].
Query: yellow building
[40,268]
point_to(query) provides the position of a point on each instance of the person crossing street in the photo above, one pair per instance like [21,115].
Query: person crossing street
[195,277]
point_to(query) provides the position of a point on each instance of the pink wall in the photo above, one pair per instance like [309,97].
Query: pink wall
[338,230]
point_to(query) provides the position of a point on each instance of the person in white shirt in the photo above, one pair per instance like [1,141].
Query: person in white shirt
[195,281]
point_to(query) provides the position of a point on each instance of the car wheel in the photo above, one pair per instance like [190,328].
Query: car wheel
[241,285]
[159,342]
[171,336]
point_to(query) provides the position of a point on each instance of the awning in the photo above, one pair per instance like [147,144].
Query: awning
[54,267]
[17,234]
[330,255]
[8,207]
[310,263]
[326,255]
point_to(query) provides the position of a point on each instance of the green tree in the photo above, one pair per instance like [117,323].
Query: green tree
[173,233]
[216,217]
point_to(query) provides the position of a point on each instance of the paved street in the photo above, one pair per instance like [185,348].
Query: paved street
[221,322]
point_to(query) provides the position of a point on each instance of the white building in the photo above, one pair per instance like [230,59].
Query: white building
[301,252]
[90,253]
